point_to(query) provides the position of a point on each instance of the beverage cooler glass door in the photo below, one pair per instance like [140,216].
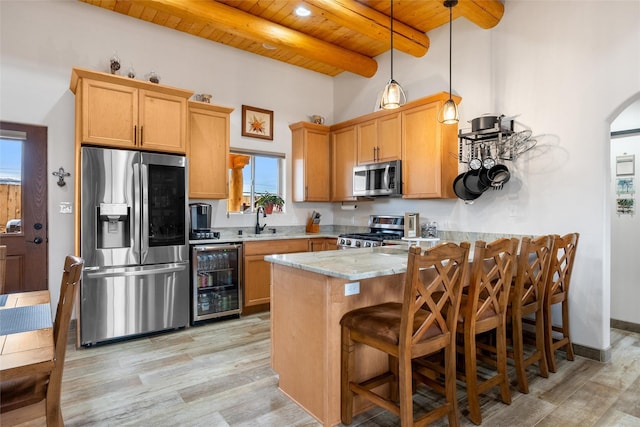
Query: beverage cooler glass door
[164,207]
[216,272]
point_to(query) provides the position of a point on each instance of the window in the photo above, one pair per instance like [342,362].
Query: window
[252,174]
[11,183]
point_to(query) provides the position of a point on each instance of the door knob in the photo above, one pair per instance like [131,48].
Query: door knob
[37,240]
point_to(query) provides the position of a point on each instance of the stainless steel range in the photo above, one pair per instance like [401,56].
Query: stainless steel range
[381,228]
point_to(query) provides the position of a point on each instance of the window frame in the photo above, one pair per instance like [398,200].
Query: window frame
[281,178]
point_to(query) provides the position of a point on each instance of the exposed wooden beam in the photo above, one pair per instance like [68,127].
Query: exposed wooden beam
[484,13]
[251,27]
[373,24]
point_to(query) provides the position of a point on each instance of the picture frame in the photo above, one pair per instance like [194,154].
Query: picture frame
[625,165]
[257,122]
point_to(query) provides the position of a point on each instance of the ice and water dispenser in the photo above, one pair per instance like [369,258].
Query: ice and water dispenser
[113,225]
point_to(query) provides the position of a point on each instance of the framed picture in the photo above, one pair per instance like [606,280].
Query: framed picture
[625,165]
[257,122]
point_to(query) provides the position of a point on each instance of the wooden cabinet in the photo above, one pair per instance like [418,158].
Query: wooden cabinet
[380,139]
[430,152]
[119,112]
[257,271]
[322,244]
[208,150]
[310,156]
[343,159]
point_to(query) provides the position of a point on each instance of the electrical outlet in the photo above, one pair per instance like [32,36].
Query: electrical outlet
[66,208]
[352,288]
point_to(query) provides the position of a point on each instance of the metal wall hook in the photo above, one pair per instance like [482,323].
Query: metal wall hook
[61,174]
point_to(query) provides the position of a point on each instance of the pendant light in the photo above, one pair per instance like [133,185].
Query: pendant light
[393,95]
[449,112]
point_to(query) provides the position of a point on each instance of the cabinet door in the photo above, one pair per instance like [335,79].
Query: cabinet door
[208,150]
[343,159]
[389,137]
[310,157]
[367,142]
[330,244]
[109,114]
[429,160]
[316,245]
[257,271]
[257,277]
[163,122]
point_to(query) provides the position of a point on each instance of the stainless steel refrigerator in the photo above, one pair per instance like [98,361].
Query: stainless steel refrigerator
[134,240]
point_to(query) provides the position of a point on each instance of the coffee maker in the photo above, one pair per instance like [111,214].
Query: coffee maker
[200,219]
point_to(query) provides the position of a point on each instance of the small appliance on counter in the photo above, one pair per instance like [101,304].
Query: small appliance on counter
[200,219]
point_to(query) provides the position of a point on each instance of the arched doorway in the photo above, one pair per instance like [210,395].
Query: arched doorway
[624,218]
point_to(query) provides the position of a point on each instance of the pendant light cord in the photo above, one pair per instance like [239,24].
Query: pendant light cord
[450,43]
[391,16]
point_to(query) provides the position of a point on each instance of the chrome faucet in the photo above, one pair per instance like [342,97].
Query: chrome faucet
[264,214]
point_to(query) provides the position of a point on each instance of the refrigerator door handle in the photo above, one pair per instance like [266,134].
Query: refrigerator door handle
[144,236]
[137,272]
[136,210]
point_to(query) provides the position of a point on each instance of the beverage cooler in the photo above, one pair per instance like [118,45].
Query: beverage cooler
[216,280]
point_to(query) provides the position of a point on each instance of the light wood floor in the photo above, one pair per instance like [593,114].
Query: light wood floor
[219,375]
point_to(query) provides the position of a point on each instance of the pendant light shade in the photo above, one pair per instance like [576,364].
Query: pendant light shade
[449,112]
[393,96]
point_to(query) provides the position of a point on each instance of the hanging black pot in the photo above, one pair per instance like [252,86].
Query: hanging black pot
[483,123]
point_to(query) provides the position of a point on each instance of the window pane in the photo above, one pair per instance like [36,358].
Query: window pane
[10,186]
[259,174]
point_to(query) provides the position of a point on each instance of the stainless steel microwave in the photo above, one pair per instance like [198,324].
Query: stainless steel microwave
[378,179]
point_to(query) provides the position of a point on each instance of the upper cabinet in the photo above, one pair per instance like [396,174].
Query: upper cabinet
[379,139]
[208,150]
[429,155]
[428,149]
[310,156]
[343,159]
[120,112]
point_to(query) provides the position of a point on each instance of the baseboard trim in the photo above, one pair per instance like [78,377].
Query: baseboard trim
[625,326]
[592,353]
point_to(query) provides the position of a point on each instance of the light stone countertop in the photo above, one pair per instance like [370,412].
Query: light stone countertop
[349,264]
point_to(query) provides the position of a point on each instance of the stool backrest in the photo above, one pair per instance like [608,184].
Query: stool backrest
[433,282]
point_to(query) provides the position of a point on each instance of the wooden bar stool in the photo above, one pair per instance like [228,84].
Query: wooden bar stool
[557,292]
[22,394]
[483,309]
[422,324]
[526,299]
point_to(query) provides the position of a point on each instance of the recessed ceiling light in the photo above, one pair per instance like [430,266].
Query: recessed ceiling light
[302,11]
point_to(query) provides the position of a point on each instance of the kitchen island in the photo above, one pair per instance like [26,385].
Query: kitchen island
[310,294]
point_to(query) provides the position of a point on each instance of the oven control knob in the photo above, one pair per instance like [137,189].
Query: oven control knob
[348,242]
[358,243]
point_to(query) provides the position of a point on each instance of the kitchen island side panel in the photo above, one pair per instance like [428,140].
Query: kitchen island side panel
[306,309]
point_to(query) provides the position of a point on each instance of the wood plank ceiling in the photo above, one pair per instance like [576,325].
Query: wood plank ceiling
[338,35]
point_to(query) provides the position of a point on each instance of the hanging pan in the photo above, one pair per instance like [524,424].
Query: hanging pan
[462,192]
[472,183]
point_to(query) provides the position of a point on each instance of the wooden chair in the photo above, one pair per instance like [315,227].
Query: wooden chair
[418,326]
[16,394]
[3,267]
[557,292]
[526,299]
[483,309]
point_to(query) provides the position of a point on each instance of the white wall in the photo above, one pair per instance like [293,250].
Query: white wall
[563,68]
[40,41]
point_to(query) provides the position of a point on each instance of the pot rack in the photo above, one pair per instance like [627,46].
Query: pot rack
[501,141]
